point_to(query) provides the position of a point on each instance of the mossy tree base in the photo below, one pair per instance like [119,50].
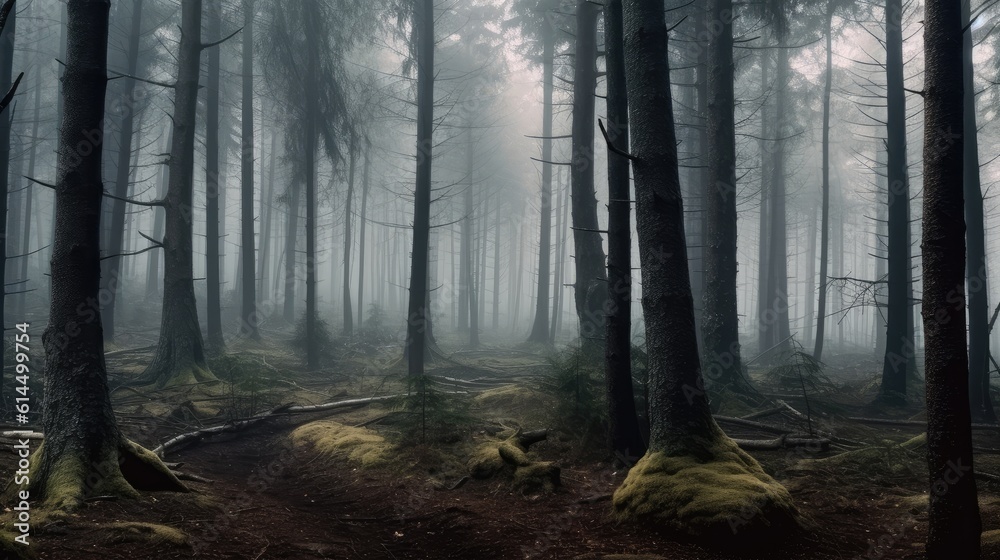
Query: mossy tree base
[723,496]
[64,483]
[510,456]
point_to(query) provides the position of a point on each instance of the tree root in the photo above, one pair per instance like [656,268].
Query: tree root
[724,498]
[511,456]
[68,481]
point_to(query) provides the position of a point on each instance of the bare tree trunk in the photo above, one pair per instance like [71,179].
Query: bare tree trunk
[763,217]
[591,273]
[7,39]
[465,258]
[180,353]
[111,266]
[84,453]
[561,266]
[361,233]
[496,267]
[978,281]
[824,244]
[899,349]
[953,518]
[623,425]
[540,328]
[213,271]
[249,321]
[291,248]
[682,430]
[268,212]
[154,257]
[348,317]
[720,319]
[418,312]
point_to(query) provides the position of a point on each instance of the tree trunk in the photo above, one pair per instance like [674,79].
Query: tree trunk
[591,273]
[312,114]
[417,313]
[249,321]
[978,282]
[465,256]
[899,338]
[953,518]
[496,268]
[720,319]
[348,317]
[111,266]
[154,257]
[291,249]
[213,271]
[824,243]
[775,319]
[881,190]
[84,453]
[7,38]
[763,217]
[683,434]
[623,425]
[180,352]
[29,196]
[540,328]
[561,260]
[361,233]
[268,212]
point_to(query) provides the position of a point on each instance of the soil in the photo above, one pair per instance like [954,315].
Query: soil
[267,500]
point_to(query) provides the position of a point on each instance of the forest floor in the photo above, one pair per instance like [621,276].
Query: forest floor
[266,496]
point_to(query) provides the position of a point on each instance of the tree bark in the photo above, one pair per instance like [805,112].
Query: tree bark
[111,267]
[824,243]
[977,279]
[84,453]
[417,318]
[623,425]
[899,337]
[249,321]
[7,39]
[180,352]
[591,273]
[953,517]
[540,328]
[348,317]
[720,319]
[154,257]
[213,256]
[361,233]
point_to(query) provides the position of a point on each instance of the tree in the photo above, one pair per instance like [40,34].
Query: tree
[180,353]
[348,306]
[689,457]
[8,20]
[213,240]
[84,453]
[248,309]
[720,321]
[953,517]
[417,319]
[591,273]
[540,327]
[110,273]
[361,231]
[978,281]
[896,363]
[824,243]
[623,423]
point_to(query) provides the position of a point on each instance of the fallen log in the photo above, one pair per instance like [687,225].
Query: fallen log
[913,423]
[783,442]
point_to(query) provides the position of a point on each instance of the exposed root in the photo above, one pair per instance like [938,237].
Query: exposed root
[511,455]
[148,533]
[724,496]
[69,481]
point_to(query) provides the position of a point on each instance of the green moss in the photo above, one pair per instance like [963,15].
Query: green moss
[542,475]
[12,550]
[991,544]
[485,461]
[724,494]
[150,533]
[334,440]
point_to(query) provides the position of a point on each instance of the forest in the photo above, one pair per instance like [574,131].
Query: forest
[499,279]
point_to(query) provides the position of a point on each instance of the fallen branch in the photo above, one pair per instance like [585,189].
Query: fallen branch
[914,423]
[782,442]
